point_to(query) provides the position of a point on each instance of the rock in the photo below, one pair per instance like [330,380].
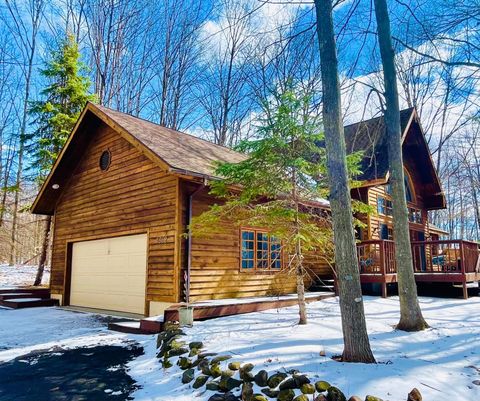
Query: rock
[195,345]
[217,397]
[288,384]
[414,395]
[301,397]
[202,363]
[269,392]
[193,352]
[200,381]
[215,370]
[188,376]
[175,344]
[227,373]
[334,394]
[234,365]
[219,359]
[301,379]
[372,398]
[229,384]
[184,363]
[275,379]
[259,397]
[204,355]
[286,395]
[261,378]
[177,351]
[307,388]
[231,397]
[322,386]
[246,376]
[354,398]
[248,367]
[213,386]
[166,363]
[247,392]
[159,341]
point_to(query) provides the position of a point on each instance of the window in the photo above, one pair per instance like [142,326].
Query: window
[384,206]
[260,250]
[414,215]
[408,189]
[386,232]
[105,160]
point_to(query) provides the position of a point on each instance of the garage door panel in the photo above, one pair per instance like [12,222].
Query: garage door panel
[110,273]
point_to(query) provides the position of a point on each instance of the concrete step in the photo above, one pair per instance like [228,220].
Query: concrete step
[21,303]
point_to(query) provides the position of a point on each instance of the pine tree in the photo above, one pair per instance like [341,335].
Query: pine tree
[284,173]
[55,116]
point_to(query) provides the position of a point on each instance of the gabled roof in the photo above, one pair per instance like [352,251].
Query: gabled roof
[182,152]
[370,138]
[174,151]
[187,155]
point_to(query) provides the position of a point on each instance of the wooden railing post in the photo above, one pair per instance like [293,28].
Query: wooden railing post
[383,268]
[463,270]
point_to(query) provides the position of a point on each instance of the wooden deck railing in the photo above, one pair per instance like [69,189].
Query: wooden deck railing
[376,257]
[448,256]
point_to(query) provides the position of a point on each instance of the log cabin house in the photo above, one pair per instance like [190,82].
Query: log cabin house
[123,190]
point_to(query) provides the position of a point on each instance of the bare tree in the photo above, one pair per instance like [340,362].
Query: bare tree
[411,318]
[24,26]
[355,337]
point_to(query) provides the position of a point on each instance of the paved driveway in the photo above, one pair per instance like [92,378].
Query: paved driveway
[96,373]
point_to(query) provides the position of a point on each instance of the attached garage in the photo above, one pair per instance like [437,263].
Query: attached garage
[110,273]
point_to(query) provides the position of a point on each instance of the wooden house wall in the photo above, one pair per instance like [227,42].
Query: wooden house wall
[134,195]
[374,221]
[215,269]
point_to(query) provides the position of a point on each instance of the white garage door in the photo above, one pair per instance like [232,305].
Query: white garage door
[110,274]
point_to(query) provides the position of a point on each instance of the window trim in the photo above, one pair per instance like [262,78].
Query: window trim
[255,269]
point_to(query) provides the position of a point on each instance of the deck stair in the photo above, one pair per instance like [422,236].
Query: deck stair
[134,327]
[19,298]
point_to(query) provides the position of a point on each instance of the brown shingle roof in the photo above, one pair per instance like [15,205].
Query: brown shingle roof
[182,152]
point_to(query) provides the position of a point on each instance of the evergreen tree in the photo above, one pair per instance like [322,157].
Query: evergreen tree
[56,115]
[282,177]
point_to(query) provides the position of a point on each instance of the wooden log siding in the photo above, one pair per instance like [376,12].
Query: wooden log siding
[216,272]
[132,196]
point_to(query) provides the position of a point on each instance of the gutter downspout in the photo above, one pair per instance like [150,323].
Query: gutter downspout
[189,243]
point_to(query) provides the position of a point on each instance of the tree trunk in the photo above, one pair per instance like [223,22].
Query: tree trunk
[302,308]
[43,254]
[355,337]
[411,318]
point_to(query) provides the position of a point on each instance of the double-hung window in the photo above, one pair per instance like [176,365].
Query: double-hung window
[260,250]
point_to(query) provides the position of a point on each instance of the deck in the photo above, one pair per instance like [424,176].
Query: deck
[448,261]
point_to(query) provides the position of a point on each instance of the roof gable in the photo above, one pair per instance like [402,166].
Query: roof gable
[370,137]
[174,151]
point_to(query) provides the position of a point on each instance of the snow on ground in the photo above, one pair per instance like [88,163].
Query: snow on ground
[20,275]
[441,362]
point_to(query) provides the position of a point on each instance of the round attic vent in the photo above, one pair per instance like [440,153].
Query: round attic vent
[105,160]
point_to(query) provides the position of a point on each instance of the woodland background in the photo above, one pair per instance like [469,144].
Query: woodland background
[204,67]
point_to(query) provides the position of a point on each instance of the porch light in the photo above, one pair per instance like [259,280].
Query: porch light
[55,186]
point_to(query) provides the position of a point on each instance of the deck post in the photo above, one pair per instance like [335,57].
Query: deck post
[383,267]
[463,270]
